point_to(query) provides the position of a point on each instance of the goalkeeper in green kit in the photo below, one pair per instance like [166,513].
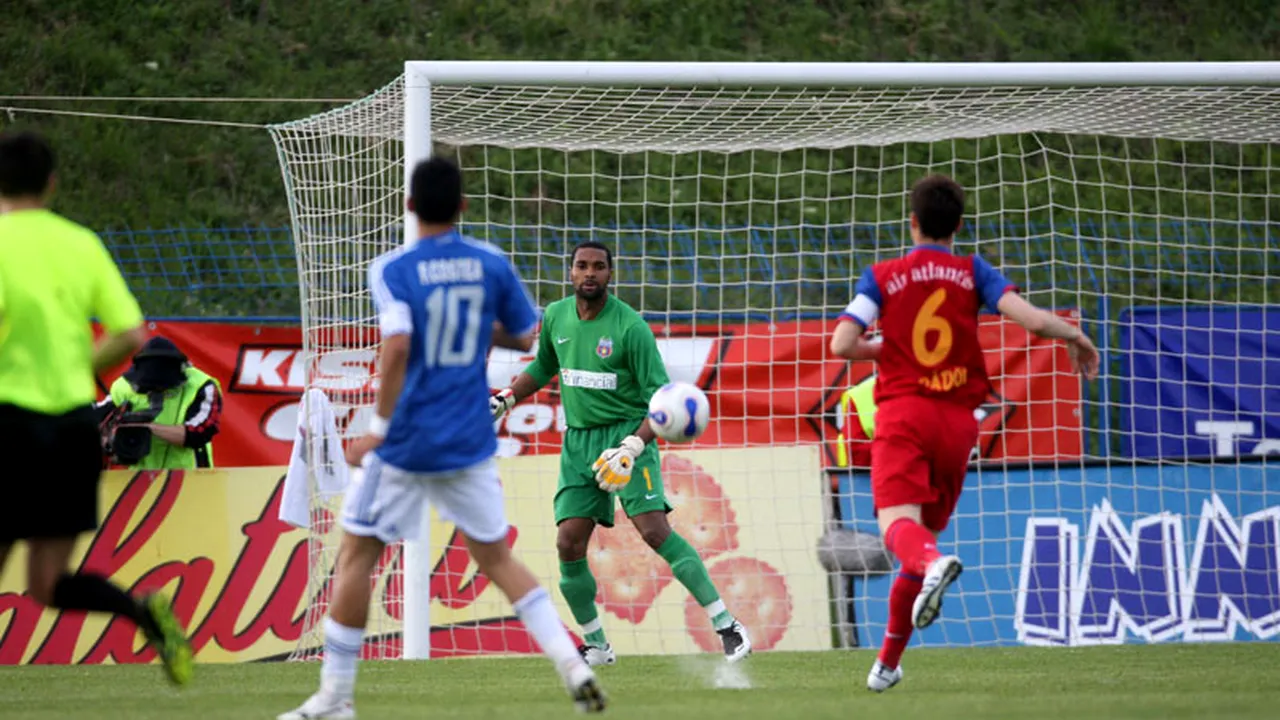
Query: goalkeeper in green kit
[609,367]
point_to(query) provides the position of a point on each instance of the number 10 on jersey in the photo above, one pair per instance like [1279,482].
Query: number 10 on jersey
[453,325]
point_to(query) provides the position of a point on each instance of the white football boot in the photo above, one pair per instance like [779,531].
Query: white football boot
[583,688]
[597,656]
[882,678]
[322,706]
[736,643]
[928,605]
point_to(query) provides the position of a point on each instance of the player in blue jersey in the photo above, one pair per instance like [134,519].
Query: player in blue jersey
[441,303]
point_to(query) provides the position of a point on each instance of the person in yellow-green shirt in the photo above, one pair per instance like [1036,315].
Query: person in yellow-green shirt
[857,424]
[55,276]
[165,411]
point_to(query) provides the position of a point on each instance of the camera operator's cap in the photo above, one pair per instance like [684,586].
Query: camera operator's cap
[160,347]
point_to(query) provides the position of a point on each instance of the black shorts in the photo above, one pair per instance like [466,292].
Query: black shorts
[50,467]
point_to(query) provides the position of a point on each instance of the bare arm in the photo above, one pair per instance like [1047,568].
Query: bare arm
[523,386]
[849,341]
[645,432]
[116,309]
[115,349]
[393,363]
[172,434]
[504,339]
[1083,355]
[525,383]
[1037,321]
[200,425]
[545,365]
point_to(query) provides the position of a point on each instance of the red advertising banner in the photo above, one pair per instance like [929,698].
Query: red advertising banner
[245,584]
[768,383]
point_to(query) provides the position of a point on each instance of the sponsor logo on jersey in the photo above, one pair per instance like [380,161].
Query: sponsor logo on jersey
[687,359]
[588,379]
[604,348]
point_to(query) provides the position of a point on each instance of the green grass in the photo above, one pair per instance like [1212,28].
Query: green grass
[1182,681]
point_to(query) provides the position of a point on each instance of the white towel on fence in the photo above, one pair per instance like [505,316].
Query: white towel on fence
[317,451]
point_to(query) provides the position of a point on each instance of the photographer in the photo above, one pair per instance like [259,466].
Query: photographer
[162,413]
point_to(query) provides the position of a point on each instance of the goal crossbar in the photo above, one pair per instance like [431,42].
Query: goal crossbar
[781,74]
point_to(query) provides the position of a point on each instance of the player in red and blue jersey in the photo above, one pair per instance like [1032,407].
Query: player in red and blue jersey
[931,379]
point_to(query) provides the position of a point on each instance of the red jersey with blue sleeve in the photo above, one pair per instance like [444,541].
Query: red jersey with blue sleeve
[928,303]
[446,291]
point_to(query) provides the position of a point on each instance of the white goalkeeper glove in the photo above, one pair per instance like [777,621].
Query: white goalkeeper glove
[501,402]
[613,467]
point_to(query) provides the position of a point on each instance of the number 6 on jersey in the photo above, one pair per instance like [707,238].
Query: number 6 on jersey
[928,320]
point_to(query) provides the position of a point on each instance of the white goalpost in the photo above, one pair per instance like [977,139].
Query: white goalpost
[742,201]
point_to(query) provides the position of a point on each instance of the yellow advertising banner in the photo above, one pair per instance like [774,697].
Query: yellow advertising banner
[248,585]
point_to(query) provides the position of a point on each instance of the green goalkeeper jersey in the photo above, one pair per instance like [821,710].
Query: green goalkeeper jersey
[609,366]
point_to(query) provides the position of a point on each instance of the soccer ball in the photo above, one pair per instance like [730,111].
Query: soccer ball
[679,412]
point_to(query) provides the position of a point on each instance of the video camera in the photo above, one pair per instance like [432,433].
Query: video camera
[125,437]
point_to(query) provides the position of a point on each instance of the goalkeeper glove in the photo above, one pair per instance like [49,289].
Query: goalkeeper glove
[500,402]
[613,467]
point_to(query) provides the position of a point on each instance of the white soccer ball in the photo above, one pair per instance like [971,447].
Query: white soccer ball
[679,412]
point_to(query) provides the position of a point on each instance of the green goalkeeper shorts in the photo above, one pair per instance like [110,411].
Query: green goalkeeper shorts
[578,496]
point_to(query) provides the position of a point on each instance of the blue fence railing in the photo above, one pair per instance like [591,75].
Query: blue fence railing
[767,272]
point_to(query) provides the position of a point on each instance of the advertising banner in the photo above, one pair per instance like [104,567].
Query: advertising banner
[241,579]
[1102,555]
[1200,381]
[769,384]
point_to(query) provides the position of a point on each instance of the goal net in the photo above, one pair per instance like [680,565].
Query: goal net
[741,207]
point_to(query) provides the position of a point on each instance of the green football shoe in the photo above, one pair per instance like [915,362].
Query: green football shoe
[169,639]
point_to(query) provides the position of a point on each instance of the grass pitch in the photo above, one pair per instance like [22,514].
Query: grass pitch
[1167,681]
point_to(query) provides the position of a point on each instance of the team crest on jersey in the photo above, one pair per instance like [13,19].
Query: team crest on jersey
[604,348]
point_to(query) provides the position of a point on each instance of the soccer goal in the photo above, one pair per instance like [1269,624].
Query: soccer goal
[742,201]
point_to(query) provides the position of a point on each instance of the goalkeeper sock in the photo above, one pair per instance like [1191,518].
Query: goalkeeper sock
[912,544]
[692,573]
[341,651]
[902,596]
[540,619]
[578,586]
[94,593]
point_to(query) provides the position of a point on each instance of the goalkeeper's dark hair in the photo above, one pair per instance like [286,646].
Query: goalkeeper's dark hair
[436,190]
[938,204]
[592,245]
[26,164]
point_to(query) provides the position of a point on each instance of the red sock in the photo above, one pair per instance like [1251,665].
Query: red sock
[912,544]
[898,633]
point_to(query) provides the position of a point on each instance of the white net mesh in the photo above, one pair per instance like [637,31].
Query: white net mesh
[740,219]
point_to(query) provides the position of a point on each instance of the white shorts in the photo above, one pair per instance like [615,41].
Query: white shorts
[388,503]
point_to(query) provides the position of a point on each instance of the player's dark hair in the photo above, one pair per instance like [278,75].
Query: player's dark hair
[436,190]
[26,164]
[592,245]
[938,204]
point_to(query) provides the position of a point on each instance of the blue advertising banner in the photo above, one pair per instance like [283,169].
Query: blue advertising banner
[1100,555]
[1200,381]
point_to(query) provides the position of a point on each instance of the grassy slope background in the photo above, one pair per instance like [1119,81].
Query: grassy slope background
[120,174]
